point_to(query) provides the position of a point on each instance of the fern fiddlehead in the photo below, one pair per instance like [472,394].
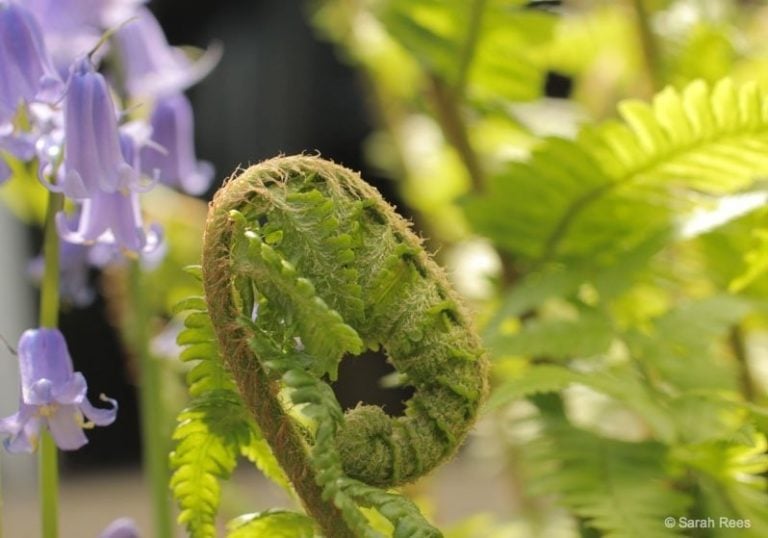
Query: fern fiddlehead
[304,263]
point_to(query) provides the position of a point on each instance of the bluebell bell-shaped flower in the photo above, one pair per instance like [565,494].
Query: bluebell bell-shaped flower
[53,396]
[121,528]
[26,72]
[111,218]
[93,162]
[151,66]
[174,162]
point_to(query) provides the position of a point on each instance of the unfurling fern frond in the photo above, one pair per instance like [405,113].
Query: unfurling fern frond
[619,182]
[304,263]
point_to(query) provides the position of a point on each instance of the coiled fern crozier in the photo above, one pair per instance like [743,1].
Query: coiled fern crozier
[304,263]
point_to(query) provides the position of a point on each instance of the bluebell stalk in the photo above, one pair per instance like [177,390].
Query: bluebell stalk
[174,162]
[53,396]
[26,72]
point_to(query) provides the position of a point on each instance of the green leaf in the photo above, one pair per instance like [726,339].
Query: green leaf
[622,383]
[683,346]
[621,182]
[272,524]
[620,488]
[324,333]
[212,431]
[260,454]
[586,336]
[200,460]
[487,45]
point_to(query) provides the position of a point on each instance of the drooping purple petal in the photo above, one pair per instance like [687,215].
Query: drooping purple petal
[26,71]
[174,161]
[23,428]
[112,218]
[100,416]
[151,66]
[72,392]
[43,356]
[93,161]
[121,528]
[66,427]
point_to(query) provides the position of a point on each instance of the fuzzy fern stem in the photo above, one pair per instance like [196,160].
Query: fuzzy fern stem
[48,465]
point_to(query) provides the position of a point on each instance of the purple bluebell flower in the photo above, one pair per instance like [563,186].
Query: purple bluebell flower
[121,528]
[93,162]
[72,28]
[151,66]
[174,162]
[111,218]
[53,395]
[26,72]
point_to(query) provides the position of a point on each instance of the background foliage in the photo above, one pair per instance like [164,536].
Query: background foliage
[593,175]
[604,162]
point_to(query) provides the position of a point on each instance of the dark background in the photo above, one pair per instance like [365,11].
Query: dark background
[279,88]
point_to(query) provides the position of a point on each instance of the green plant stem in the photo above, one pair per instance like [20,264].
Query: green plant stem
[448,113]
[48,464]
[155,450]
[476,10]
[739,348]
[648,46]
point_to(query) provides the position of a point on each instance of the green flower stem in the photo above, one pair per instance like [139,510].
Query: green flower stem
[49,317]
[153,421]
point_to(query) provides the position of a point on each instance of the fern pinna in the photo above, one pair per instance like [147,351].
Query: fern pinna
[304,263]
